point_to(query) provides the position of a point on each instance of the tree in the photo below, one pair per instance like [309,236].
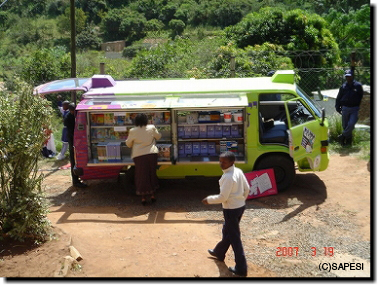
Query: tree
[123,24]
[57,7]
[23,123]
[177,27]
[64,22]
[295,30]
[94,9]
[350,29]
[88,39]
[46,65]
[249,62]
[26,8]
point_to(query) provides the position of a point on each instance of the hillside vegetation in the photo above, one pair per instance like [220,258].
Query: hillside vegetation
[197,38]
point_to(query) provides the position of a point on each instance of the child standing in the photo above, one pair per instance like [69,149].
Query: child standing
[62,153]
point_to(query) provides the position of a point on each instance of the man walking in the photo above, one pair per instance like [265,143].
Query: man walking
[348,104]
[234,191]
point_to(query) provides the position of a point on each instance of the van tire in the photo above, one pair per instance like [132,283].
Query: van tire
[284,170]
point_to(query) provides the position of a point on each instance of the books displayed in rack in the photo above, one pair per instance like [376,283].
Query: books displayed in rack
[123,118]
[97,119]
[109,151]
[159,118]
[164,151]
[111,133]
[108,119]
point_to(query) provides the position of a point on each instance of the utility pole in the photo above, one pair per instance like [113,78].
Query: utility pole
[353,61]
[232,66]
[73,46]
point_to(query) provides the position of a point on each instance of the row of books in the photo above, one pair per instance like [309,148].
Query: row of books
[211,131]
[186,149]
[109,151]
[108,134]
[121,118]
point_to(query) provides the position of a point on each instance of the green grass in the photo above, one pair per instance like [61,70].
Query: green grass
[361,140]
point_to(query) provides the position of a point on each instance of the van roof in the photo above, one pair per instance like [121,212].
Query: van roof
[105,85]
[280,81]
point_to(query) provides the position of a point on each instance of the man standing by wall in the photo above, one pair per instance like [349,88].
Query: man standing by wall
[234,190]
[348,104]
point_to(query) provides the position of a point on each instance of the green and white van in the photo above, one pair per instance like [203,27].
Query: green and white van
[269,122]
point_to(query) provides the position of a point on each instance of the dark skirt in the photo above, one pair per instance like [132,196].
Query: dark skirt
[146,180]
[64,135]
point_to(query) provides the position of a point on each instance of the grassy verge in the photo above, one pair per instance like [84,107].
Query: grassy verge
[361,140]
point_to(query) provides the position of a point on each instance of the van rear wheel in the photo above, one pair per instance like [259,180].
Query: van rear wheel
[284,170]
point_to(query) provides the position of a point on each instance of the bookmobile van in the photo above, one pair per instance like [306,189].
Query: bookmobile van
[268,122]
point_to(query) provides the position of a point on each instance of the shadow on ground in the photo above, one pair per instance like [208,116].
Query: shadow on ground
[179,196]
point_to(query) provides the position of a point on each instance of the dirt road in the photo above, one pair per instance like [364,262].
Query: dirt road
[118,237]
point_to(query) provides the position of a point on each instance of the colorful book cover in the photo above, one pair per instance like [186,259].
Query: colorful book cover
[99,119]
[108,119]
[101,151]
[119,120]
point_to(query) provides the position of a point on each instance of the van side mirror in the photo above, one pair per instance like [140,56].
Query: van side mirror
[323,117]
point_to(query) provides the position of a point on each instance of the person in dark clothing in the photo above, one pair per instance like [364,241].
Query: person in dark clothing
[69,122]
[234,190]
[348,104]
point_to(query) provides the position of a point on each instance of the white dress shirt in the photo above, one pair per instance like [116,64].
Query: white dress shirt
[234,189]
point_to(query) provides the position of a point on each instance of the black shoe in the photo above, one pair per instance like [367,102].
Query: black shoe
[233,270]
[144,202]
[153,200]
[80,185]
[341,139]
[212,253]
[348,142]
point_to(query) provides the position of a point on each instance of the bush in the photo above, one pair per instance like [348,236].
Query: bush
[23,124]
[360,137]
[335,127]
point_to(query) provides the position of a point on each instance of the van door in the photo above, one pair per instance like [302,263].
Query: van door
[304,131]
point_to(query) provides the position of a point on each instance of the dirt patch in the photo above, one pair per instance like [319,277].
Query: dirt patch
[118,237]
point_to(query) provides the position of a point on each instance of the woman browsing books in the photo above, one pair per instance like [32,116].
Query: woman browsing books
[142,139]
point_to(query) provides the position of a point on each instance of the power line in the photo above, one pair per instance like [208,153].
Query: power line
[3,3]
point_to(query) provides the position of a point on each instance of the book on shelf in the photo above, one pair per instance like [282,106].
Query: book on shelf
[109,151]
[101,151]
[108,119]
[97,119]
[119,119]
[164,151]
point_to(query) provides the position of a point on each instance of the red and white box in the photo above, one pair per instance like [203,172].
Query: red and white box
[262,183]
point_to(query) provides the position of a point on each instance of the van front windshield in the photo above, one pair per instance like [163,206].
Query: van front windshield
[313,105]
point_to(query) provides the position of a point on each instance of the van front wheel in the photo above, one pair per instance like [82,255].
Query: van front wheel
[284,170]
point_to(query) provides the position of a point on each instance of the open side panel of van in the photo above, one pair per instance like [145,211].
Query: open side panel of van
[304,135]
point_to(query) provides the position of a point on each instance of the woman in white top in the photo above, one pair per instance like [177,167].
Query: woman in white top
[142,140]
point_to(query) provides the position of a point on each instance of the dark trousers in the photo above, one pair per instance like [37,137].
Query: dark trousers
[75,178]
[231,236]
[349,120]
